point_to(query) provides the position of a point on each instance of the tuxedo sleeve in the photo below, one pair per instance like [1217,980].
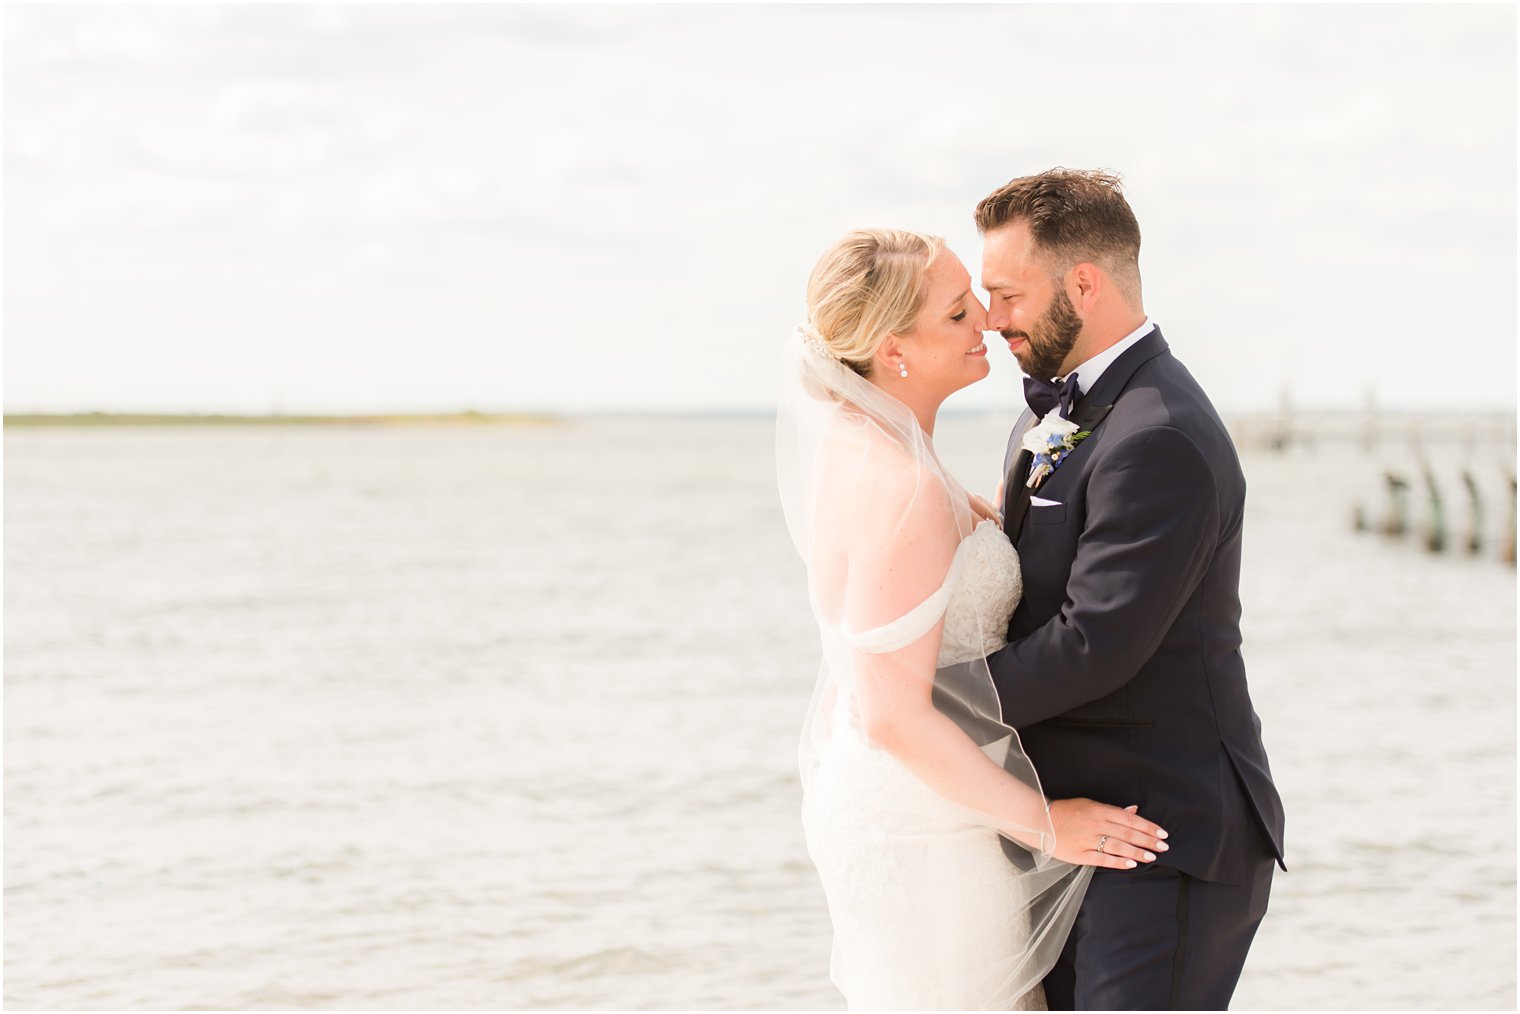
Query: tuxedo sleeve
[1153,522]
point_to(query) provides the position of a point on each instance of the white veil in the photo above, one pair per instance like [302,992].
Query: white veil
[881,525]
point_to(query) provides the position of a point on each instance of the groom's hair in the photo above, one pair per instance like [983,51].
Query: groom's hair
[1074,215]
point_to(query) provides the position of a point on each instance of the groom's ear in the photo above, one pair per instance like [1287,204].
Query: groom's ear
[1088,280]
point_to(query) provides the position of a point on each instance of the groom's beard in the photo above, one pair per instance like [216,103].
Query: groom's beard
[1048,339]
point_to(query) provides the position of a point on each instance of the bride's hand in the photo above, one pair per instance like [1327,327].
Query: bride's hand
[985,510]
[1126,839]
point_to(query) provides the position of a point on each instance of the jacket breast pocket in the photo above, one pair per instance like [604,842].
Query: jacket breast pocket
[1052,514]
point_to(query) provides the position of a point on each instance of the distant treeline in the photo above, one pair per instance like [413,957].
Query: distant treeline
[216,419]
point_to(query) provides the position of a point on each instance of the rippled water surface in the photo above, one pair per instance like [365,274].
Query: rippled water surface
[505,717]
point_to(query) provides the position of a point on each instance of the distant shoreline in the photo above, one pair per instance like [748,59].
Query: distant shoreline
[229,419]
[1262,428]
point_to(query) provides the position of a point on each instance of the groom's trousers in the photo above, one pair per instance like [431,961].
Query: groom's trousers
[1154,938]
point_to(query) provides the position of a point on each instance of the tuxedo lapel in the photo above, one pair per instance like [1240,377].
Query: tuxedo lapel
[1016,499]
[1088,414]
[1018,470]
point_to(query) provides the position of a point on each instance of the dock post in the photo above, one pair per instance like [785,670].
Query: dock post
[1508,553]
[1397,520]
[1435,527]
[1475,517]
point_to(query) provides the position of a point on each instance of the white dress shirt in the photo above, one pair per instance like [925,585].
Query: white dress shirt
[1088,373]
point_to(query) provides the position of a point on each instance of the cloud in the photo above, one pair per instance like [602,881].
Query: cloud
[617,207]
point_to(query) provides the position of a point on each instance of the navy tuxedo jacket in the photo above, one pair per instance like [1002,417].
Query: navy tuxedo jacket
[1123,671]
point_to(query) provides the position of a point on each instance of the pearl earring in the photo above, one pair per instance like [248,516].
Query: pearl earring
[903,370]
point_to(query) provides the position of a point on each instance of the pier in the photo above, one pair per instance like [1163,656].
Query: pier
[1446,482]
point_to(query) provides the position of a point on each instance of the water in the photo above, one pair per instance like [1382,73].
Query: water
[505,717]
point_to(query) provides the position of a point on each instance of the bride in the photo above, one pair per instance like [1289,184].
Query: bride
[950,880]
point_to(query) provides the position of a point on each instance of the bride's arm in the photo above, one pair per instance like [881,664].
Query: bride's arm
[984,510]
[893,569]
[898,715]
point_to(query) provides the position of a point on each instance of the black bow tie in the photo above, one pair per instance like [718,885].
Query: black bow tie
[1044,396]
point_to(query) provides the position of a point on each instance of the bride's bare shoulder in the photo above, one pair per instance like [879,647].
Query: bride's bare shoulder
[880,475]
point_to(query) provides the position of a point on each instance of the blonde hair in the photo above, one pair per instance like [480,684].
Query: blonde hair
[868,285]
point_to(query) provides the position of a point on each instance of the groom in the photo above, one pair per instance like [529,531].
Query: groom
[1123,671]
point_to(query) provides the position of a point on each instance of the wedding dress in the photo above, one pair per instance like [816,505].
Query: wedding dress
[942,896]
[896,859]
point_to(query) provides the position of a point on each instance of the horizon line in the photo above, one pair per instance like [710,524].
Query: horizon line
[539,415]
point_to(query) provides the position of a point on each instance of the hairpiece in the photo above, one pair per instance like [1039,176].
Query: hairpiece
[815,341]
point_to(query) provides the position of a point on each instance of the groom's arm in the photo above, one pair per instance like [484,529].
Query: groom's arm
[1153,521]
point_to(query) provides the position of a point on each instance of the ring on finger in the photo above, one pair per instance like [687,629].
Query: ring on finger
[1102,841]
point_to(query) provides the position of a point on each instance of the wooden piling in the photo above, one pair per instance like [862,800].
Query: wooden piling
[1282,435]
[1435,521]
[1396,522]
[1475,514]
[1508,553]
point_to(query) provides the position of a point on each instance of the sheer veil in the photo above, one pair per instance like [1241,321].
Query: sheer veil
[883,530]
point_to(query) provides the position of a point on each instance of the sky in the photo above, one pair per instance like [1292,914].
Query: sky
[303,208]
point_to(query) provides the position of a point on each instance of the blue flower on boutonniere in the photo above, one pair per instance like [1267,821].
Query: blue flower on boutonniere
[1050,442]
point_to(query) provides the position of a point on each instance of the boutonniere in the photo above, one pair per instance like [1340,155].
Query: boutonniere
[1050,442]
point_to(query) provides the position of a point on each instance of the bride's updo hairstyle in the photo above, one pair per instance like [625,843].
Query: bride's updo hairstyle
[868,285]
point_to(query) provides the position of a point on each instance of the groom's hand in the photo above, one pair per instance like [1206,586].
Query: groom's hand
[1089,833]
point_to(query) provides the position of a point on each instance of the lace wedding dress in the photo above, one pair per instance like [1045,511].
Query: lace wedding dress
[910,881]
[913,787]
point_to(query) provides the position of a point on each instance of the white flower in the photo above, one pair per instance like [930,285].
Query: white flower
[1038,439]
